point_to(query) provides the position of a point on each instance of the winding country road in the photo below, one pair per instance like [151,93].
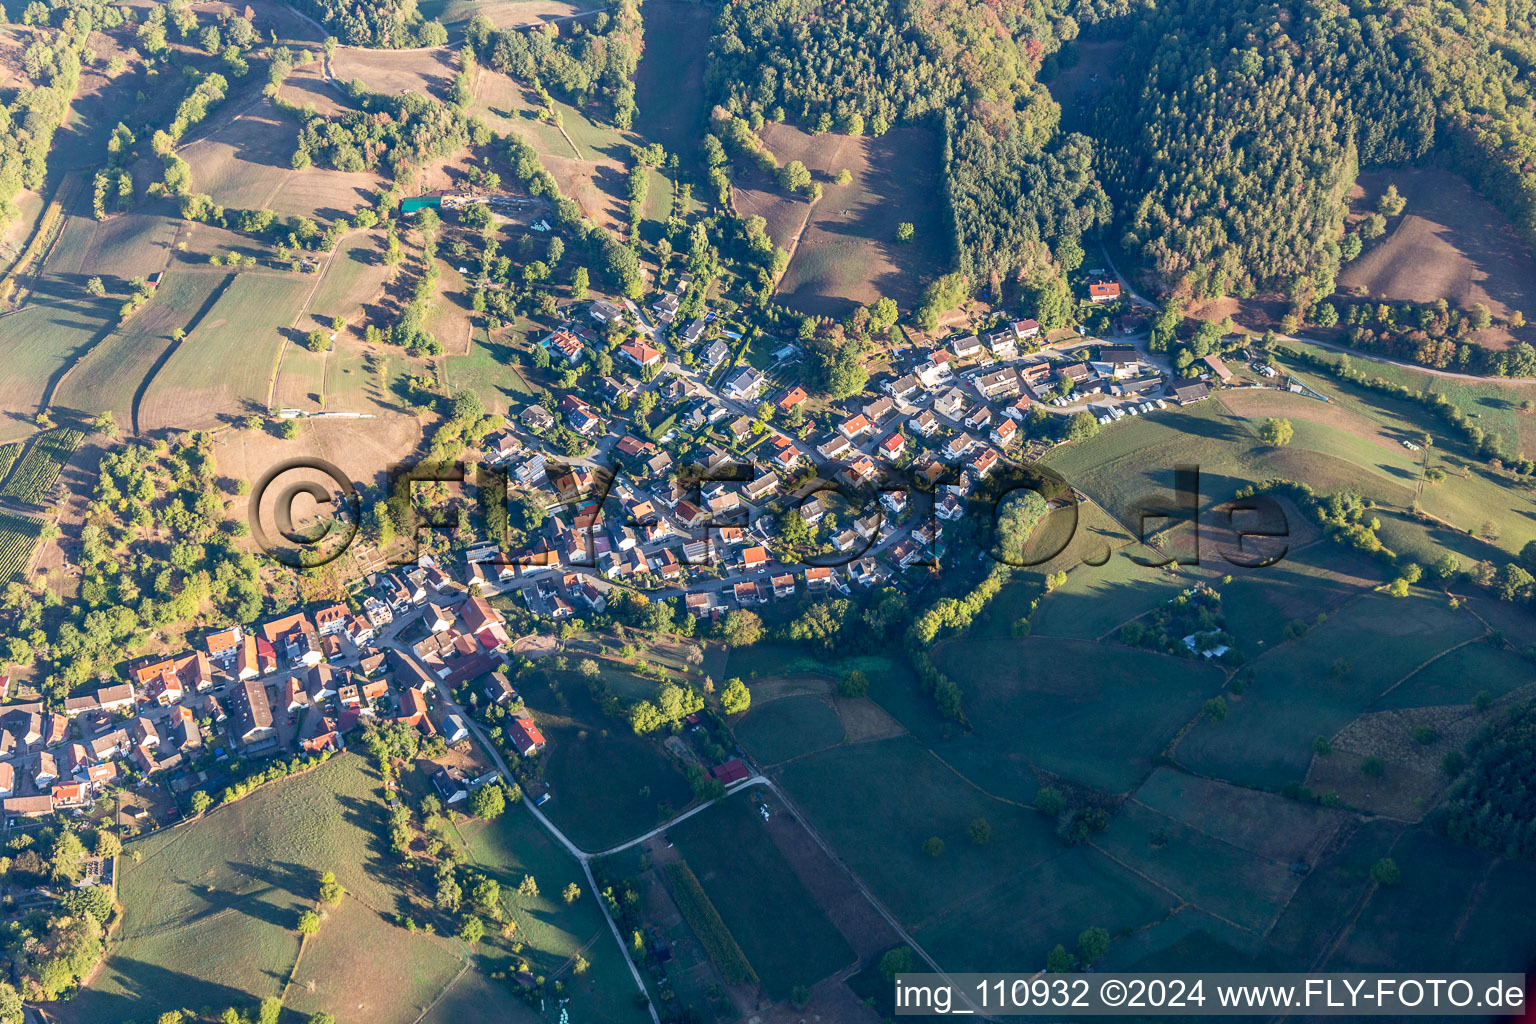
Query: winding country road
[585,859]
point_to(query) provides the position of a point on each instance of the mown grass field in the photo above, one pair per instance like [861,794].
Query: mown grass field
[37,344]
[1226,850]
[502,13]
[491,371]
[1459,676]
[551,930]
[1095,713]
[1318,684]
[1009,900]
[783,729]
[111,375]
[1469,496]
[224,367]
[785,935]
[607,784]
[848,254]
[210,907]
[354,275]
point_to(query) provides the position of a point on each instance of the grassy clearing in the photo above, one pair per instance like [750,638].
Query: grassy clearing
[210,907]
[1316,685]
[1098,598]
[1259,604]
[608,784]
[783,729]
[786,936]
[1097,714]
[1010,900]
[1226,850]
[502,13]
[331,977]
[1469,496]
[848,254]
[354,275]
[551,930]
[491,372]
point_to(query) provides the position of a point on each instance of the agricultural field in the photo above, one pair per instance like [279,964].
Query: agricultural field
[9,453]
[224,368]
[1096,714]
[18,537]
[1316,685]
[788,728]
[37,345]
[209,909]
[607,784]
[669,81]
[786,936]
[391,72]
[243,163]
[1225,850]
[38,470]
[455,14]
[1448,892]
[1450,243]
[353,276]
[113,374]
[972,906]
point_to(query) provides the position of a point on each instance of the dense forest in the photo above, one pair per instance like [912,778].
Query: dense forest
[1493,805]
[387,24]
[1228,136]
[1015,188]
[1233,133]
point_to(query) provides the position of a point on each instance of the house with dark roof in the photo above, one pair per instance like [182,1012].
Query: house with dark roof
[253,714]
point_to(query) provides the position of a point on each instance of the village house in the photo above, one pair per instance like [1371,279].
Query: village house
[253,714]
[1103,291]
[904,389]
[484,623]
[223,645]
[536,418]
[715,353]
[563,346]
[924,424]
[640,354]
[967,347]
[997,384]
[744,385]
[525,736]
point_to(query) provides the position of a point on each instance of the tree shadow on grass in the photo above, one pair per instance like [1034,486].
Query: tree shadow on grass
[148,990]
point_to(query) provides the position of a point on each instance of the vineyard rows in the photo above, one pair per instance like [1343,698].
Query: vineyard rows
[41,466]
[18,536]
